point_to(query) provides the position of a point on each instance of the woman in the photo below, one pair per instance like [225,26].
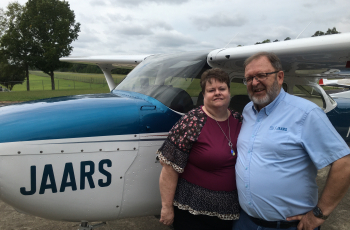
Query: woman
[197,182]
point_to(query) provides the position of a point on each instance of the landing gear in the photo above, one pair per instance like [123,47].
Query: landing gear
[84,225]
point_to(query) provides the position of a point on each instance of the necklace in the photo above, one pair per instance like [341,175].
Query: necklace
[229,134]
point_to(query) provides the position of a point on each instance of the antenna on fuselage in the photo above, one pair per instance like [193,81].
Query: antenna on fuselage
[231,40]
[303,30]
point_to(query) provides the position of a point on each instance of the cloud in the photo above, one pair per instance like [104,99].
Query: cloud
[173,39]
[154,26]
[133,30]
[172,2]
[313,3]
[219,20]
[97,3]
[88,35]
[114,18]
[160,25]
[137,2]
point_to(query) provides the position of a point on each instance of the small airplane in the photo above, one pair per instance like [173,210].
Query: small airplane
[342,87]
[336,83]
[92,158]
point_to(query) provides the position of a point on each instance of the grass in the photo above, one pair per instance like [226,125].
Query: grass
[35,95]
[44,83]
[40,87]
[82,77]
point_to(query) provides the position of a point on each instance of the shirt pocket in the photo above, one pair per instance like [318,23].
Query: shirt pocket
[276,143]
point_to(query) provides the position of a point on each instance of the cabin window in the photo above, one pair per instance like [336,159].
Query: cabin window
[310,93]
[174,80]
[171,79]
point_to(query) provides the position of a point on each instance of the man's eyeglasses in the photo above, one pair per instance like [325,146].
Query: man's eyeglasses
[259,77]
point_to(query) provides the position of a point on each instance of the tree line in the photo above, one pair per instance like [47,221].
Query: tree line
[317,33]
[35,35]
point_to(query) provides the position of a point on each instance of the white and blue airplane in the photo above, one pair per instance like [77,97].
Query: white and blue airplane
[342,84]
[92,157]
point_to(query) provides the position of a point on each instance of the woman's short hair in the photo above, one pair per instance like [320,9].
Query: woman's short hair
[272,57]
[217,74]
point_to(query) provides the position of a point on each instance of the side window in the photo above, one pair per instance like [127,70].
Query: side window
[310,93]
[239,97]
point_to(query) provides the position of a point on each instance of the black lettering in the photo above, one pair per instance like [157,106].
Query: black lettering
[48,173]
[88,175]
[104,172]
[68,171]
[32,182]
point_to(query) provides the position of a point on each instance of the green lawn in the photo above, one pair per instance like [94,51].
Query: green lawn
[35,95]
[82,77]
[40,87]
[44,83]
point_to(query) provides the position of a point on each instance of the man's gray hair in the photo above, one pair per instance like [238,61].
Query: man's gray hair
[272,57]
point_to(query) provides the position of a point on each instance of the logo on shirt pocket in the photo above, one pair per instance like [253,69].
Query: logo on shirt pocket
[278,128]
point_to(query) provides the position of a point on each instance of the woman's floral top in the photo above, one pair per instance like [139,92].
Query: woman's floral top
[176,151]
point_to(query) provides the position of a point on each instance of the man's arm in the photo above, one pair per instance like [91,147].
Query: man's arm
[337,185]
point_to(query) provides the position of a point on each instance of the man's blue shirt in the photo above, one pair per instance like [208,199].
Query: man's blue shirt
[280,149]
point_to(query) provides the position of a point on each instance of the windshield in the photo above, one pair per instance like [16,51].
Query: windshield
[171,79]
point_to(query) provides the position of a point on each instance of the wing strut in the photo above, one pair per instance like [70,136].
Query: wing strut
[106,69]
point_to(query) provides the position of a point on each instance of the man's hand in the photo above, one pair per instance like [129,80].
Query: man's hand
[307,222]
[167,215]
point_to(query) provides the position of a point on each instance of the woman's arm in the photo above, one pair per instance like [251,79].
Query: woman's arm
[167,185]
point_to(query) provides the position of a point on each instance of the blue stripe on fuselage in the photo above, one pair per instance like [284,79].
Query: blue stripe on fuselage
[83,116]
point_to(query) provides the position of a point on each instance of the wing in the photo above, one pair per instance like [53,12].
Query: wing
[323,56]
[344,83]
[107,63]
[113,60]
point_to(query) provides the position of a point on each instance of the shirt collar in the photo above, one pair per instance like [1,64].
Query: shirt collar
[270,107]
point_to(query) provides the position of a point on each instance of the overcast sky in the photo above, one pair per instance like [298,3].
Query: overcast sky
[164,26]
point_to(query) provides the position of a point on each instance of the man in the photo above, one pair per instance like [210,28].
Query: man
[284,140]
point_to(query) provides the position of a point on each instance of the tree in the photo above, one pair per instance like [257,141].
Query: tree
[15,41]
[318,33]
[265,41]
[287,38]
[10,75]
[332,31]
[52,28]
[276,40]
[329,31]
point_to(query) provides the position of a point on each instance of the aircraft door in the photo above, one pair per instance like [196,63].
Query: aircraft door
[141,196]
[67,179]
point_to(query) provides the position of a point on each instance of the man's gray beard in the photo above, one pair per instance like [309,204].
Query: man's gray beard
[271,94]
